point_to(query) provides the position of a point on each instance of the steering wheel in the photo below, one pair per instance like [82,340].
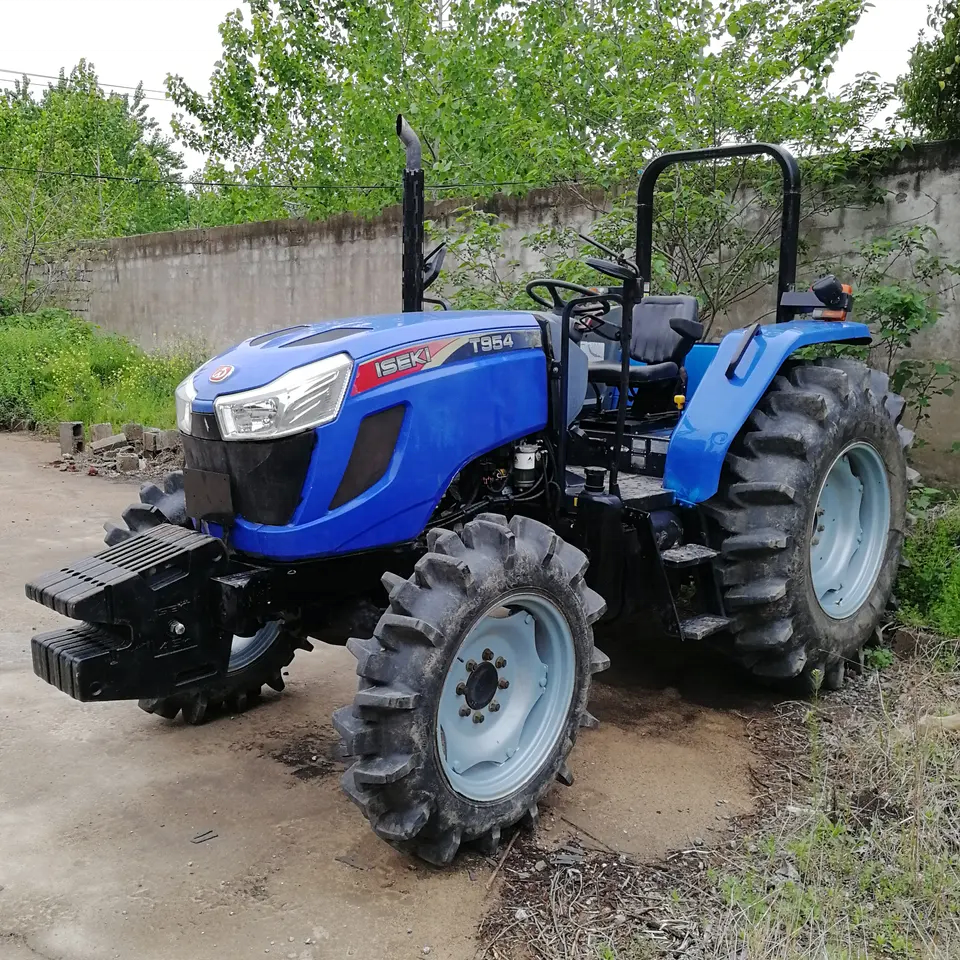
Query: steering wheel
[598,306]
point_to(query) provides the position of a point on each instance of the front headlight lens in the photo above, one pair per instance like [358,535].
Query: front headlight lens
[300,400]
[185,394]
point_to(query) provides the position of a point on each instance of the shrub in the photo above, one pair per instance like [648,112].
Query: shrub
[54,366]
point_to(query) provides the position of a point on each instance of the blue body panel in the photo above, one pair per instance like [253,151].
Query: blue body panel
[454,412]
[717,407]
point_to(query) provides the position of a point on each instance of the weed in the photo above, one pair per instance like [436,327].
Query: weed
[879,658]
[54,366]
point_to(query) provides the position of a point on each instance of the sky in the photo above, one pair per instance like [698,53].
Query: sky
[142,40]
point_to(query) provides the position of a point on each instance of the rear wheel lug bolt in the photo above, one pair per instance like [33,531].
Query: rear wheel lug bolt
[500,663]
[488,654]
[464,711]
[478,718]
[503,683]
[461,688]
[494,706]
[820,528]
[471,666]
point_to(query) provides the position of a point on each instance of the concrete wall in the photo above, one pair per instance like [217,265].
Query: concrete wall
[222,285]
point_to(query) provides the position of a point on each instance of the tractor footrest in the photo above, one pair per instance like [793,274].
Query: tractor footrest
[687,555]
[75,659]
[644,493]
[699,628]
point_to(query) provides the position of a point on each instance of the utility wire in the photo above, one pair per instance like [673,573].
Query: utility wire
[107,86]
[169,181]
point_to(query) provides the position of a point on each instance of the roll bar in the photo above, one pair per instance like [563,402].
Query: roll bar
[789,225]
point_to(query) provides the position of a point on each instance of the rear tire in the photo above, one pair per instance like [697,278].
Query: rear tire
[254,661]
[798,616]
[429,775]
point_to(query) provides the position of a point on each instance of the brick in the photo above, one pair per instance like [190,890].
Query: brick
[169,439]
[134,431]
[128,462]
[108,443]
[71,437]
[151,440]
[100,431]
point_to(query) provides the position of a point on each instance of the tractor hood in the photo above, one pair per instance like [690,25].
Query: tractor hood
[260,360]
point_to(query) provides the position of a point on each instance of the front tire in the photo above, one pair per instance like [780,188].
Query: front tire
[473,688]
[810,518]
[255,661]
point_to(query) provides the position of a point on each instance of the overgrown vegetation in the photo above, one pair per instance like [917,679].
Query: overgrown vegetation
[57,367]
[929,588]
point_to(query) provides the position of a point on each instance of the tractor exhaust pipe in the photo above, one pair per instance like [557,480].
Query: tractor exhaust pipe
[413,213]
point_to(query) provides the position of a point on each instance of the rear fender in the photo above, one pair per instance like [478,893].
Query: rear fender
[719,406]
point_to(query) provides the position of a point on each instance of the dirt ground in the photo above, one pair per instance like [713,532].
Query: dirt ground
[99,804]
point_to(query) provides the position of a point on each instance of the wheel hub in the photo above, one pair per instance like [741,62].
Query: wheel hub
[481,687]
[850,528]
[505,697]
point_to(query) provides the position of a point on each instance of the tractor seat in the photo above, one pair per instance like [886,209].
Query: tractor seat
[664,330]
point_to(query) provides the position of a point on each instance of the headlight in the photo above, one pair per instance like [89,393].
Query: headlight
[299,400]
[186,393]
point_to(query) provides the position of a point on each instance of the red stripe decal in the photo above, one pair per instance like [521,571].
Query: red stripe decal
[398,363]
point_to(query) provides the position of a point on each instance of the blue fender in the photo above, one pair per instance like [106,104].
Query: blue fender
[719,406]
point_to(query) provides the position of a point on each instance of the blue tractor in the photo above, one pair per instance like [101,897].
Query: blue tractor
[512,496]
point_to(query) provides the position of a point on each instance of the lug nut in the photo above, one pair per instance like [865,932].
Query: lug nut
[488,654]
[478,718]
[501,663]
[461,688]
[815,541]
[471,666]
[464,711]
[820,528]
[503,683]
[494,706]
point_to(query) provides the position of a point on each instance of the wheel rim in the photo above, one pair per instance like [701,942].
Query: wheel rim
[849,538]
[244,650]
[521,679]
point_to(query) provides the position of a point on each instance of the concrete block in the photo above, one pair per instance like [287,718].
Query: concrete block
[108,443]
[134,432]
[100,431]
[169,439]
[71,437]
[128,462]
[151,440]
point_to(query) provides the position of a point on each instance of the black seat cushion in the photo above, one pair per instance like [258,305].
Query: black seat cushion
[655,339]
[608,373]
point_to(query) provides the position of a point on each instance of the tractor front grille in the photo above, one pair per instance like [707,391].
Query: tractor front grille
[266,476]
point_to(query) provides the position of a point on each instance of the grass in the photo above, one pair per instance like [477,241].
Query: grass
[54,367]
[929,588]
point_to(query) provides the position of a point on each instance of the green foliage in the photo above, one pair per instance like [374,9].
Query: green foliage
[929,588]
[879,658]
[930,91]
[898,281]
[308,90]
[74,126]
[57,367]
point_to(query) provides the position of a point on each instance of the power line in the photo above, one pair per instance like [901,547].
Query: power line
[169,181]
[110,86]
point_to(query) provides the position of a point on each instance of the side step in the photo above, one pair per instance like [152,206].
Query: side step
[699,628]
[644,493]
[687,555]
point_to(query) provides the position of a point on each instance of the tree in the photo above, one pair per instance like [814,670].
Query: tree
[930,91]
[67,159]
[520,94]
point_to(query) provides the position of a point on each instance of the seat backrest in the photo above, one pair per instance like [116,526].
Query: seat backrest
[653,339]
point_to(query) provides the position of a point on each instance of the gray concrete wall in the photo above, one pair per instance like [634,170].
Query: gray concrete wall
[222,285]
